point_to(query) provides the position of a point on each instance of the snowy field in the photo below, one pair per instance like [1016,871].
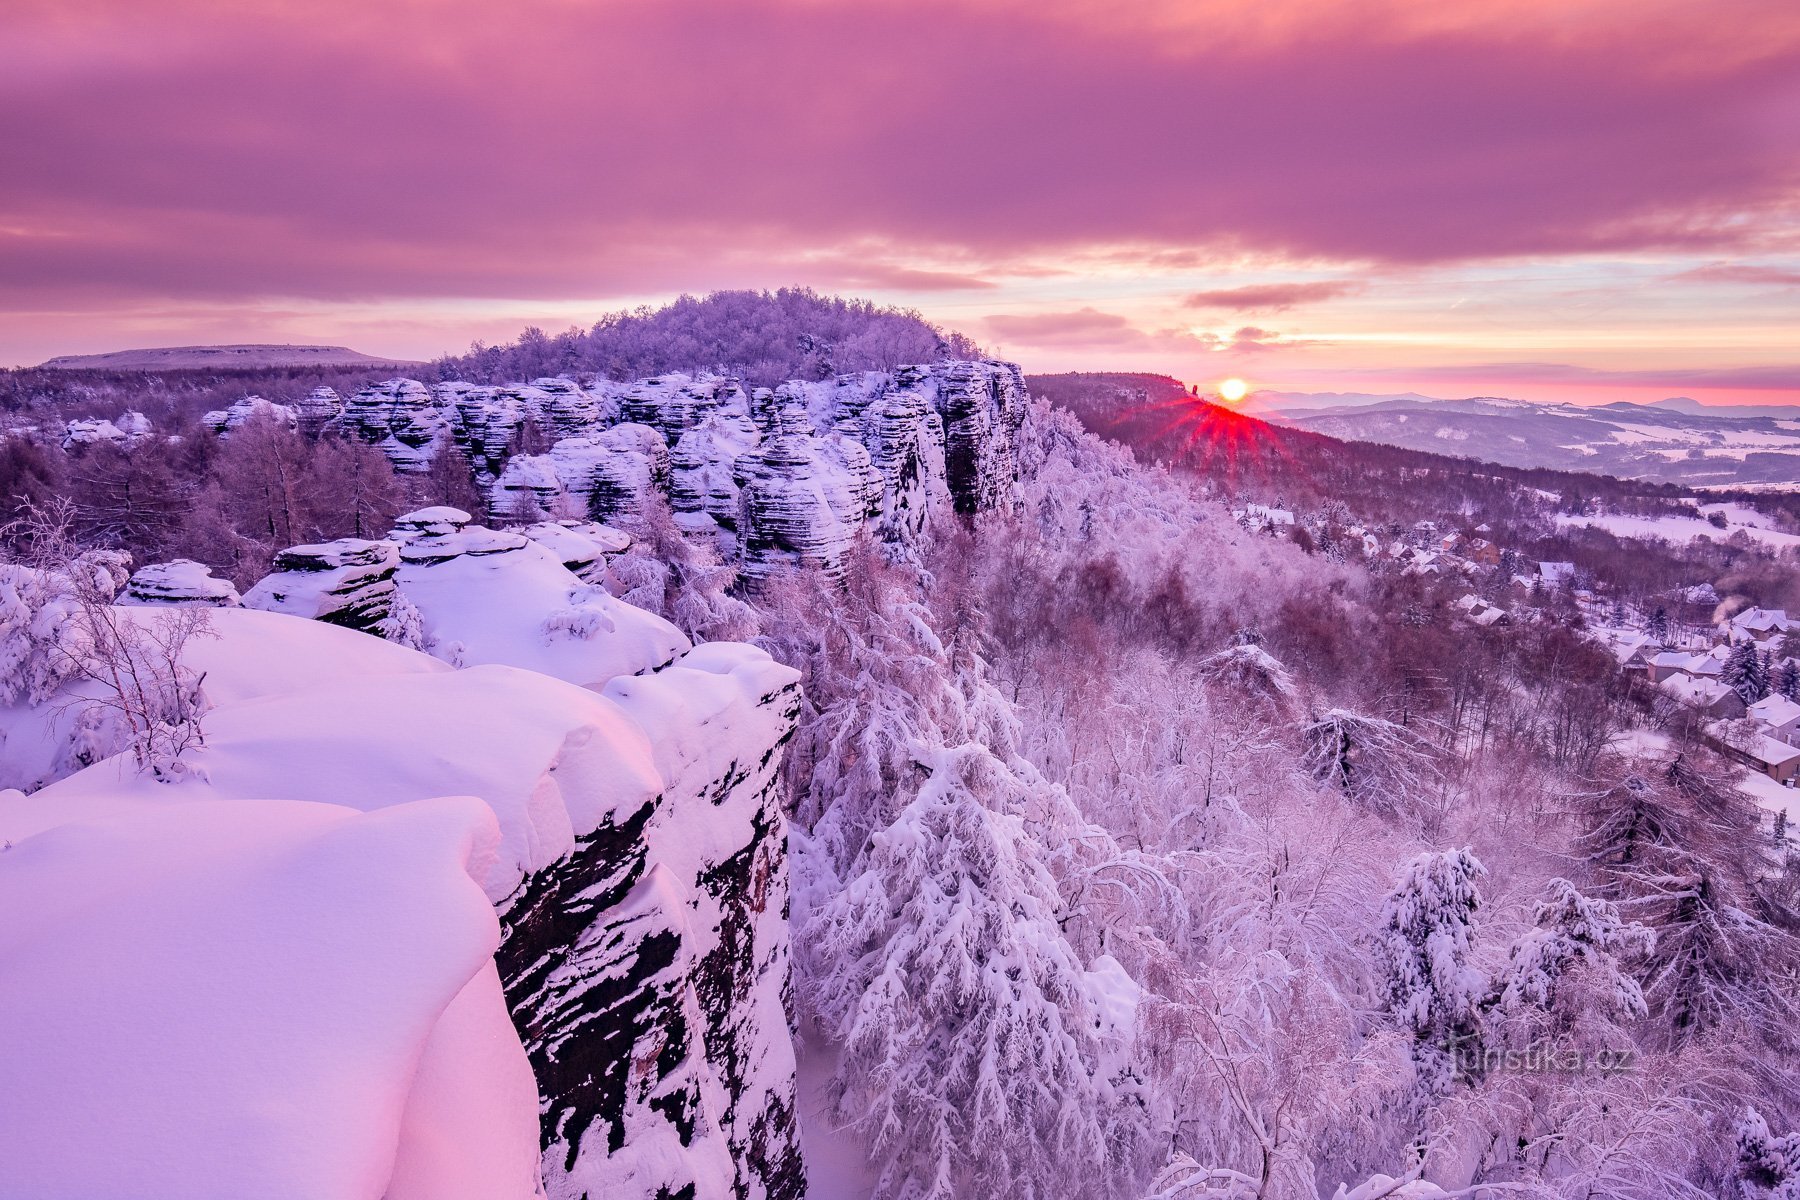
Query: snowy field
[1682,529]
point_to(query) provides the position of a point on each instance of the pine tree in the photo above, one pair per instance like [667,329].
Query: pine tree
[1787,679]
[1422,956]
[1677,854]
[968,1048]
[1658,627]
[1743,673]
[1767,1165]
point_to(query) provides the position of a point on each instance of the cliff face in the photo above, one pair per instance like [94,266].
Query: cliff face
[646,964]
[648,969]
[637,866]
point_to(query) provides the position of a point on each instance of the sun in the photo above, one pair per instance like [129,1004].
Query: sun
[1233,390]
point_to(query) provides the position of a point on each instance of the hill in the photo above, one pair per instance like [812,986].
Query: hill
[199,358]
[1663,442]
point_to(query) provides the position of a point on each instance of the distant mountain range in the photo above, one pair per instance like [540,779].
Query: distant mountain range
[200,358]
[1677,440]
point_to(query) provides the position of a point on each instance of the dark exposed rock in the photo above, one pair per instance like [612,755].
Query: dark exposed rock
[648,976]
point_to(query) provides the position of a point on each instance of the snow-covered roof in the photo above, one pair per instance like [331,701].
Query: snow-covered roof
[1773,753]
[1761,620]
[1701,693]
[1776,711]
[1556,572]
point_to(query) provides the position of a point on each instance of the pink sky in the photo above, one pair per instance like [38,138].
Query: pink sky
[1587,200]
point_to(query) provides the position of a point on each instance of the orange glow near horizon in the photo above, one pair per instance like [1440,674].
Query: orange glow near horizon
[1233,390]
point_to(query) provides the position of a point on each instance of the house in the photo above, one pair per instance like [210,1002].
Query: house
[1556,574]
[1482,551]
[1633,652]
[1759,625]
[1671,664]
[1778,760]
[1707,696]
[1779,717]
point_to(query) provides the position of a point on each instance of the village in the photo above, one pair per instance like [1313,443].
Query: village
[1734,671]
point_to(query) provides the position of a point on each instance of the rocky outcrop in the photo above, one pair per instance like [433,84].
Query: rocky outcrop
[223,421]
[637,862]
[400,417]
[905,439]
[703,491]
[317,409]
[126,432]
[886,450]
[675,403]
[612,473]
[349,582]
[527,489]
[982,405]
[648,969]
[498,596]
[583,547]
[179,582]
[802,499]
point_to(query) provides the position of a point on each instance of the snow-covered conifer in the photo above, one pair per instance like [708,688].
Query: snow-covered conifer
[1423,952]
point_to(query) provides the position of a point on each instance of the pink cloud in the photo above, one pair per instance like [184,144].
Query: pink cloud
[549,150]
[1755,275]
[1272,297]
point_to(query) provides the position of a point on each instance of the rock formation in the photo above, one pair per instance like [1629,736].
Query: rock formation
[879,450]
[179,582]
[400,417]
[703,491]
[317,409]
[222,421]
[349,582]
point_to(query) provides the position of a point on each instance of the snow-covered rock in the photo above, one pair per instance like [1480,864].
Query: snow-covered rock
[495,596]
[401,418]
[802,499]
[584,547]
[905,438]
[179,582]
[244,655]
[293,997]
[131,428]
[982,404]
[89,431]
[317,409]
[675,403]
[703,491]
[348,582]
[639,870]
[610,474]
[224,420]
[526,489]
